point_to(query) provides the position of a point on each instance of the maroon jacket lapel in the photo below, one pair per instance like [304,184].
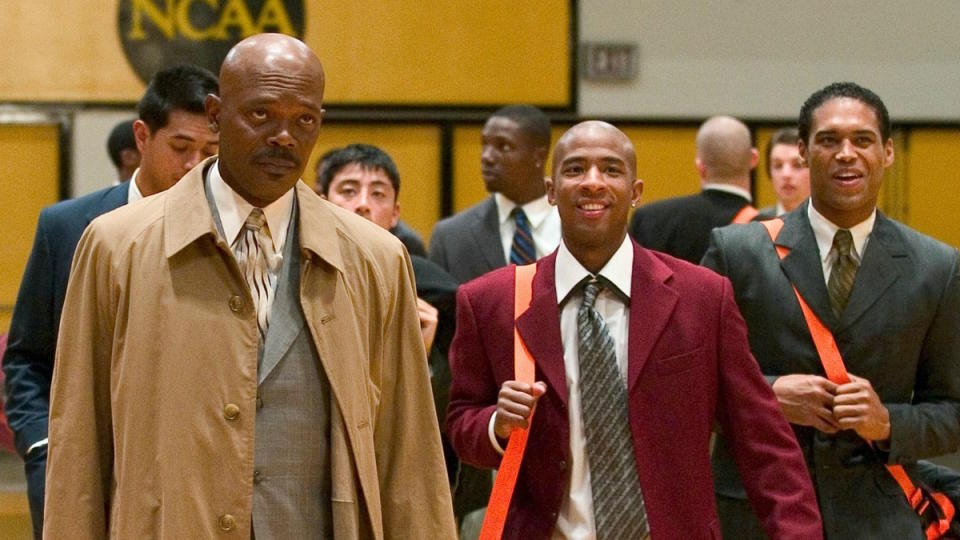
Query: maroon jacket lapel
[652,302]
[539,327]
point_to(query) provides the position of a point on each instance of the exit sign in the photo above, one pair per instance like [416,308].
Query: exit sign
[608,61]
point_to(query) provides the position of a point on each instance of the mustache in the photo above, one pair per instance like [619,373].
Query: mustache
[277,153]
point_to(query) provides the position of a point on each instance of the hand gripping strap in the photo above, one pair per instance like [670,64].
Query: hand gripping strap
[836,371]
[524,370]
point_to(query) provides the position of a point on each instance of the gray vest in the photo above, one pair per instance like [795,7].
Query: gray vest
[291,480]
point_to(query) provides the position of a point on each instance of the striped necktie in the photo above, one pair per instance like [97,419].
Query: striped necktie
[618,507]
[250,251]
[843,273]
[522,250]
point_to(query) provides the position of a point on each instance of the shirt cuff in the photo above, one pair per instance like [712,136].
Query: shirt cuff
[41,443]
[493,436]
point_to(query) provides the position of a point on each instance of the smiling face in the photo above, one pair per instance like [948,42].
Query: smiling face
[847,157]
[594,186]
[269,112]
[790,178]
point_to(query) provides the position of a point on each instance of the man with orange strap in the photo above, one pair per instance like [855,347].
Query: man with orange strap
[635,356]
[888,296]
[681,226]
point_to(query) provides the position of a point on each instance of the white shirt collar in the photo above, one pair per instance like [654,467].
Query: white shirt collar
[824,231]
[133,192]
[536,210]
[728,188]
[234,210]
[618,270]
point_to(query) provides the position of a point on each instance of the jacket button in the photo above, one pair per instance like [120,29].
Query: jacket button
[236,303]
[231,411]
[227,522]
[563,465]
[259,403]
[257,477]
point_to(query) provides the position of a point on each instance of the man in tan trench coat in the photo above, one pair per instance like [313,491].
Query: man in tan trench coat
[180,411]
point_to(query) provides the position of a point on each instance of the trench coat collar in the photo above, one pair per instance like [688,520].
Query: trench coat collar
[188,218]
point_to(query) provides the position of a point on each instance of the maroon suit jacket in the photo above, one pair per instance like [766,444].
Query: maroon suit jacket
[689,365]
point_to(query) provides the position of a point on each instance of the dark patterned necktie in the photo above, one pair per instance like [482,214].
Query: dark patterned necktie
[250,253]
[843,273]
[617,501]
[522,250]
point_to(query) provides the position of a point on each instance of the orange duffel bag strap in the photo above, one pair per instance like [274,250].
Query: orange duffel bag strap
[524,371]
[836,371]
[745,215]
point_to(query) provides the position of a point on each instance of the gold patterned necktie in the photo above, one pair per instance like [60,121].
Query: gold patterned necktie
[843,273]
[251,248]
[618,507]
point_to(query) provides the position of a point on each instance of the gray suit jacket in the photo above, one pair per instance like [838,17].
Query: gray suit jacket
[899,330]
[467,245]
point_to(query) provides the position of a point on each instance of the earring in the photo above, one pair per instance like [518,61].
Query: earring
[214,127]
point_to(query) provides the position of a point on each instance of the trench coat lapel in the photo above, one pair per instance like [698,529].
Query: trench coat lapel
[878,270]
[802,265]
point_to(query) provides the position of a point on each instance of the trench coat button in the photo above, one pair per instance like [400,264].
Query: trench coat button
[227,522]
[236,303]
[257,477]
[231,411]
[259,403]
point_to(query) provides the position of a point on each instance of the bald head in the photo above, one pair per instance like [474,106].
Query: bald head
[724,152]
[268,112]
[259,58]
[594,130]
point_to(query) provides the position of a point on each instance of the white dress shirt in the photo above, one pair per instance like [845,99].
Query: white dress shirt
[729,188]
[234,210]
[824,231]
[133,192]
[544,224]
[575,520]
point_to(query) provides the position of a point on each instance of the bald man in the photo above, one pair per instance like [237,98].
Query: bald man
[677,364]
[239,357]
[681,226]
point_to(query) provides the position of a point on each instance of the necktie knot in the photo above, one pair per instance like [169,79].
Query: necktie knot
[591,289]
[256,220]
[843,242]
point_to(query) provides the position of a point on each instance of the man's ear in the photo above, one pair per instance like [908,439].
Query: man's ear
[212,106]
[396,215]
[551,192]
[141,132]
[637,192]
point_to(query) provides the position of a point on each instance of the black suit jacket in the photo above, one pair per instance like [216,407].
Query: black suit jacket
[899,330]
[681,226]
[28,361]
[468,244]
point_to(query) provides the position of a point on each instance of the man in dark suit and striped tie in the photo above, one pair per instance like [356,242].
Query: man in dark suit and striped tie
[515,224]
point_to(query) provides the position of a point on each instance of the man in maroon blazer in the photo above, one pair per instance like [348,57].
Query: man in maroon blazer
[683,361]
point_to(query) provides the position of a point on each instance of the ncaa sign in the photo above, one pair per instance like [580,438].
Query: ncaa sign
[157,34]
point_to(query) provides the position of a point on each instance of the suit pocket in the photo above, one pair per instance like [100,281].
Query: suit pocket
[679,363]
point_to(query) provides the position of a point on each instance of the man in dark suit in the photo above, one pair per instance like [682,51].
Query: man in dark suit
[172,135]
[681,361]
[891,298]
[681,226]
[516,140]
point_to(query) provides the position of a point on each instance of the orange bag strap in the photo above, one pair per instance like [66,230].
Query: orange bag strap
[836,371]
[746,214]
[524,371]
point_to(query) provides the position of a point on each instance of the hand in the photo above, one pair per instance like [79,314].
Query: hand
[428,322]
[514,405]
[857,406]
[807,400]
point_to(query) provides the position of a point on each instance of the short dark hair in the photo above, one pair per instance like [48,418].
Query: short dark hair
[532,121]
[365,155]
[843,90]
[787,135]
[120,139]
[183,87]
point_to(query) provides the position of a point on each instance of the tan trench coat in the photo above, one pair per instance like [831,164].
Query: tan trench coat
[158,350]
